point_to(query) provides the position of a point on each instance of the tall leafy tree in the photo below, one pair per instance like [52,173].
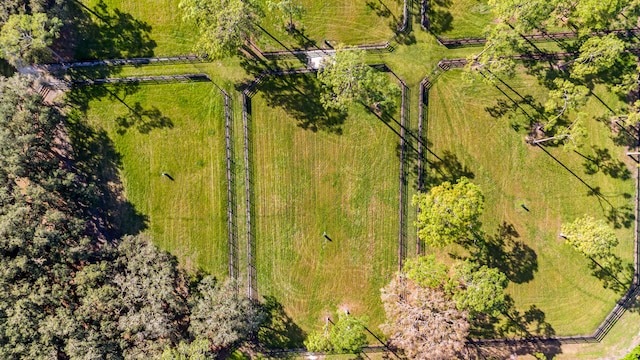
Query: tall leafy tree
[221,315]
[479,289]
[67,295]
[597,54]
[346,79]
[346,336]
[290,9]
[224,25]
[25,39]
[449,212]
[593,238]
[426,271]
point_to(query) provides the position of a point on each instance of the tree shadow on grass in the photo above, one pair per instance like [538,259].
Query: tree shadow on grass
[522,113]
[512,323]
[447,167]
[505,252]
[299,96]
[509,349]
[103,33]
[144,120]
[278,331]
[99,162]
[613,272]
[100,33]
[603,161]
[439,17]
[302,39]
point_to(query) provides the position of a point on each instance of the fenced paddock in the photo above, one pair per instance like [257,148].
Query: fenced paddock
[178,129]
[305,183]
[491,151]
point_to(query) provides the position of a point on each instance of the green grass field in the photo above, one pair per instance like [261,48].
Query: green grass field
[156,28]
[512,173]
[460,19]
[352,22]
[345,182]
[308,182]
[186,216]
[127,23]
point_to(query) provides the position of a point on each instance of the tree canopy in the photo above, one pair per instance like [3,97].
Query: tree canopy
[224,25]
[449,212]
[594,56]
[347,79]
[346,336]
[423,322]
[480,289]
[25,38]
[221,315]
[289,9]
[68,292]
[593,238]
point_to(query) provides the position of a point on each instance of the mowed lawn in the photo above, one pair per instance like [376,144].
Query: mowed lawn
[172,35]
[452,19]
[338,21]
[186,215]
[512,173]
[352,22]
[307,183]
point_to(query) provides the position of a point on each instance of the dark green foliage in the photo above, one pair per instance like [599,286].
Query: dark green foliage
[67,293]
[221,315]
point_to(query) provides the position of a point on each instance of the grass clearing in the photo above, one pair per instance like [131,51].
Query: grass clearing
[352,22]
[172,36]
[512,173]
[309,182]
[460,18]
[181,132]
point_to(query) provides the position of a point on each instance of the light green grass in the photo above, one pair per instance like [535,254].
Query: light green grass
[338,21]
[186,216]
[172,35]
[512,173]
[310,182]
[351,22]
[460,18]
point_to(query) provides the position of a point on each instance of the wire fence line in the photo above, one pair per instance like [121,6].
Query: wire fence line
[122,62]
[66,84]
[248,157]
[538,37]
[231,195]
[402,245]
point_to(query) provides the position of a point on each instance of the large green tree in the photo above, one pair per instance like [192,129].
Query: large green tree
[25,39]
[43,231]
[289,9]
[221,315]
[68,292]
[593,57]
[347,79]
[346,336]
[449,212]
[223,25]
[591,237]
[480,289]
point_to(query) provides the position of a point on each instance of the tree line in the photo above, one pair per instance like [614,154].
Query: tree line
[69,294]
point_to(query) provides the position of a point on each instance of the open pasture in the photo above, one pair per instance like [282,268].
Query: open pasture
[177,130]
[472,129]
